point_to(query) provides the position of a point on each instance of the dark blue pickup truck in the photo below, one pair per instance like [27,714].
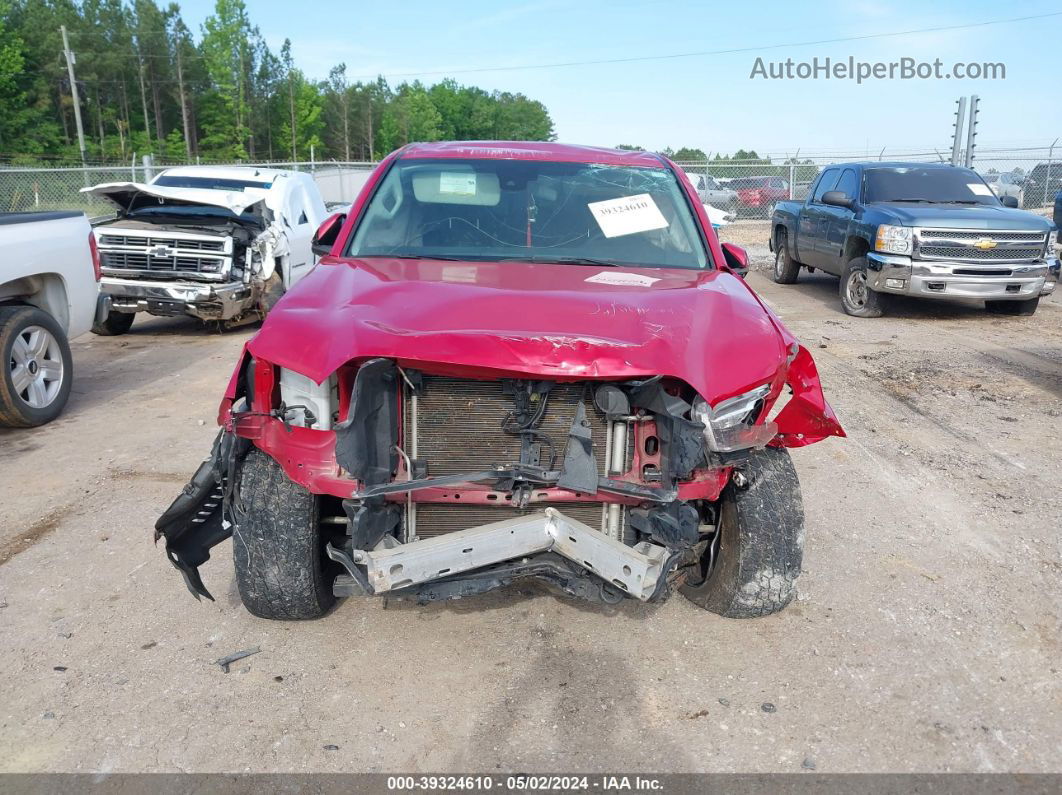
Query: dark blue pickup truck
[928,230]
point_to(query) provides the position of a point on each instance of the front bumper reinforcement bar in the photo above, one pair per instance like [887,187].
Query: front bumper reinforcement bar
[637,571]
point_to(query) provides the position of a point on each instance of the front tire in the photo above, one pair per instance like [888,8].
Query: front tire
[1027,307]
[786,269]
[857,299]
[277,545]
[37,368]
[761,542]
[114,324]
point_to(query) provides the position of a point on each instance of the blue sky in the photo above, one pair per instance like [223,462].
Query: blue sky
[703,101]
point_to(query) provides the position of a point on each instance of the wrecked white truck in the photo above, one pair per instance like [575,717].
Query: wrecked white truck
[221,244]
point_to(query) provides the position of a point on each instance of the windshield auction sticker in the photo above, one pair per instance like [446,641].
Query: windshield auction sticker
[623,279]
[627,216]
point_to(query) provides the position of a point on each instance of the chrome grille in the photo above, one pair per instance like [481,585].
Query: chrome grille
[970,253]
[186,244]
[948,234]
[131,260]
[974,245]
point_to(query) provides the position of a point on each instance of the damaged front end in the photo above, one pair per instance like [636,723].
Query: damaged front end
[438,482]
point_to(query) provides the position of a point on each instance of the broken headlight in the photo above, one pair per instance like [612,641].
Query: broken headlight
[731,424]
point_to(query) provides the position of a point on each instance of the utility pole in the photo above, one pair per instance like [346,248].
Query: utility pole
[971,130]
[184,104]
[73,93]
[143,94]
[291,102]
[956,135]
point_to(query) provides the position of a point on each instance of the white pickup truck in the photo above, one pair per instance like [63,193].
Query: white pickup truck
[220,244]
[49,276]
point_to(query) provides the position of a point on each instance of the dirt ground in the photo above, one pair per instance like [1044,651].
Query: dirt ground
[925,636]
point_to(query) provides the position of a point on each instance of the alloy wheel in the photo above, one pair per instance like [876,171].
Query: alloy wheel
[36,367]
[857,289]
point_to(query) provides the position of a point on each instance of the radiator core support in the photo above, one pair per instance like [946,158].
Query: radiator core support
[635,570]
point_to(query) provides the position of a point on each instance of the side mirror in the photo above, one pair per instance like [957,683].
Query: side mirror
[1009,201]
[326,234]
[1058,209]
[837,198]
[737,259]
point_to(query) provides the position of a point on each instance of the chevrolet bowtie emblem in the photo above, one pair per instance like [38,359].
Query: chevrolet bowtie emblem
[984,243]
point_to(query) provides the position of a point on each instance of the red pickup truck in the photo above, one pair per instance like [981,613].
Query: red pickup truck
[514,360]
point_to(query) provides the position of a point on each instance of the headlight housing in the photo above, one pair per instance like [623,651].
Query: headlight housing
[893,239]
[731,425]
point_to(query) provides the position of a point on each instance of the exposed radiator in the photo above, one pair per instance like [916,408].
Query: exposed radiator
[459,429]
[459,425]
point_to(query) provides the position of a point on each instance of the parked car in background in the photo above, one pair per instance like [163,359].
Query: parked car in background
[571,311]
[927,230]
[713,193]
[758,195]
[49,285]
[1006,185]
[1043,182]
[218,243]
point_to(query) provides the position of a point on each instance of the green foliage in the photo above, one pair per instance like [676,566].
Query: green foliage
[147,85]
[686,153]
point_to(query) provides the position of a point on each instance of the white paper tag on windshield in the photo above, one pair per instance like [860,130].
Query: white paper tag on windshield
[628,215]
[623,279]
[457,183]
[979,190]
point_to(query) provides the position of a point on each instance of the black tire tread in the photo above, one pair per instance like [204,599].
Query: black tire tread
[876,304]
[790,267]
[277,546]
[762,546]
[114,324]
[13,413]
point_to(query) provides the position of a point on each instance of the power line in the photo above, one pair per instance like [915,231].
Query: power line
[701,53]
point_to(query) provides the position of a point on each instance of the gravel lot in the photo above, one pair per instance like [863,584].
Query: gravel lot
[925,637]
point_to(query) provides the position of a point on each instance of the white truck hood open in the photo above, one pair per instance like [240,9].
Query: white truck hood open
[122,194]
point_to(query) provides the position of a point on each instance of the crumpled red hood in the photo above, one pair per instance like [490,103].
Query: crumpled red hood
[550,321]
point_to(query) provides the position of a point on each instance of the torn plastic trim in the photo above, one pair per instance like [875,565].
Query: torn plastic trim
[195,522]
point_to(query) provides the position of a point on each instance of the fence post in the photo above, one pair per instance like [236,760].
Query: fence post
[1047,180]
[792,180]
[149,167]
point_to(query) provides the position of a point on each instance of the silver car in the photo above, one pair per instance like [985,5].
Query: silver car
[711,192]
[1006,185]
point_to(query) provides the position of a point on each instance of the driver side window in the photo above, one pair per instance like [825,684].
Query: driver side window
[848,184]
[826,182]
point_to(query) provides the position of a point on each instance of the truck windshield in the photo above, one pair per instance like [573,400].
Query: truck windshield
[927,185]
[530,211]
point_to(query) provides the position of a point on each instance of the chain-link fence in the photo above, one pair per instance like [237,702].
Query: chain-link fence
[746,189]
[749,189]
[31,189]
